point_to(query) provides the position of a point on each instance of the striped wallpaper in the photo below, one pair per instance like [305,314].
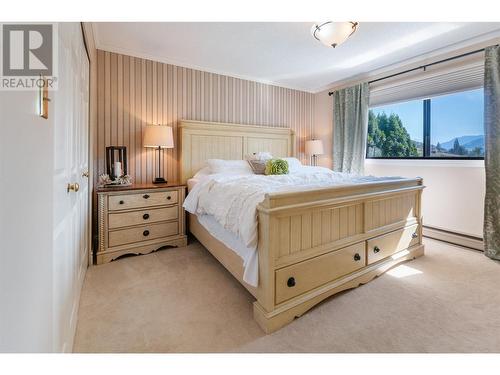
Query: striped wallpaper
[133,92]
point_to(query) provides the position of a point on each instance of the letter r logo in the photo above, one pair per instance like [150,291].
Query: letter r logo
[27,50]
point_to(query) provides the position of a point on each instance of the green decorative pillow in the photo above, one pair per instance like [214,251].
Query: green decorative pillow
[276,166]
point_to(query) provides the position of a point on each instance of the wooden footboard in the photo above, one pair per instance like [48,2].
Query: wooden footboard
[316,243]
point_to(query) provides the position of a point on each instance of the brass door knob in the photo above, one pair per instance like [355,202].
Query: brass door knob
[85,174]
[74,187]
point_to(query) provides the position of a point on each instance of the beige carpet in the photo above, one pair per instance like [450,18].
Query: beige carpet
[183,300]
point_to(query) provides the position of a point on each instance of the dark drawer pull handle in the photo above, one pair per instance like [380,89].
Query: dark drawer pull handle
[169,197]
[376,249]
[145,216]
[414,235]
[290,282]
[145,233]
[145,196]
[357,257]
[122,202]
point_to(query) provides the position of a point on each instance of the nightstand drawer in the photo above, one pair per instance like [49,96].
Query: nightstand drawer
[153,215]
[142,233]
[143,200]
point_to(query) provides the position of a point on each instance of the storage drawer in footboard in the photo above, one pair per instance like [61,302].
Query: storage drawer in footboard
[388,244]
[302,277]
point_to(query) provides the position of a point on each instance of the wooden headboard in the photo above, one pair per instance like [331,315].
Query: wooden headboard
[202,140]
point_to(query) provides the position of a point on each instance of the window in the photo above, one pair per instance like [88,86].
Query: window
[395,130]
[448,126]
[457,125]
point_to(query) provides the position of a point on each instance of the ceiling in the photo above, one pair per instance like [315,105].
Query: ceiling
[285,53]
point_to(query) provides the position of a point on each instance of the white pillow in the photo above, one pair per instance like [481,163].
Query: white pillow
[205,171]
[294,164]
[229,166]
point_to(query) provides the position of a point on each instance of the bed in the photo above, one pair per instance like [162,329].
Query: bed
[311,243]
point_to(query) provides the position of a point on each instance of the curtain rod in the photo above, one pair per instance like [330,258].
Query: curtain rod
[424,66]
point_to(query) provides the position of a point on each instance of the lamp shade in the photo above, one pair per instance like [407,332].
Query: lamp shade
[314,147]
[331,34]
[158,136]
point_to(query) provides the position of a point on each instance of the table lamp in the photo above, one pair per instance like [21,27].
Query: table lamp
[159,137]
[314,148]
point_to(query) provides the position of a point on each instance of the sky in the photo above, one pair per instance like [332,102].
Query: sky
[452,116]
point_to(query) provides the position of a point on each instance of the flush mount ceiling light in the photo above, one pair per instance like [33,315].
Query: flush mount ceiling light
[331,34]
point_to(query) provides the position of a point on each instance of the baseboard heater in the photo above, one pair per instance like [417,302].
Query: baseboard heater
[455,238]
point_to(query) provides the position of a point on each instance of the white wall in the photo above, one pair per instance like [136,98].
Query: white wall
[454,194]
[25,224]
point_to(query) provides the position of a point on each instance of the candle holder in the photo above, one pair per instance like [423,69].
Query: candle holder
[114,154]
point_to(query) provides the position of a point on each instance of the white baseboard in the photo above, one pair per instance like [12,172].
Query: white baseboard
[76,306]
[464,240]
[68,341]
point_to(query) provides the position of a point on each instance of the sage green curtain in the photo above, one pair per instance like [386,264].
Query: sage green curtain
[350,126]
[492,152]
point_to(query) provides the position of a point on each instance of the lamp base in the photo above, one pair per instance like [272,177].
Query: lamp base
[159,180]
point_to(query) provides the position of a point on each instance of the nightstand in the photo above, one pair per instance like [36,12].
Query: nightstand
[139,219]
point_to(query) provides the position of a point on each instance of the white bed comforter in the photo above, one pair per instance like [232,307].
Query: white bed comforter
[232,199]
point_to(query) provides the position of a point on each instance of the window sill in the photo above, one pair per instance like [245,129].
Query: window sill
[446,163]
